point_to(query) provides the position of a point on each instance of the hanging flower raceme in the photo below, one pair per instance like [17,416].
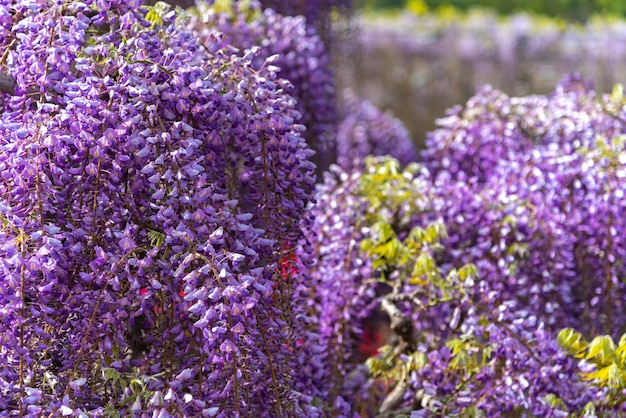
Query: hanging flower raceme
[148,184]
[296,50]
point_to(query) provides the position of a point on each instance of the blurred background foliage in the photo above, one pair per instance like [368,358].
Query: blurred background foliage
[417,58]
[576,10]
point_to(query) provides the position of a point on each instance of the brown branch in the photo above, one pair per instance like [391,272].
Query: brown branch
[403,327]
[394,398]
[401,324]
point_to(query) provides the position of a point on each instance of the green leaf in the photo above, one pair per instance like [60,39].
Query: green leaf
[571,341]
[486,354]
[156,238]
[223,6]
[589,410]
[430,234]
[620,351]
[367,244]
[617,95]
[460,361]
[455,345]
[617,377]
[416,361]
[600,375]
[417,281]
[391,249]
[424,265]
[554,401]
[138,384]
[383,231]
[111,374]
[601,349]
[157,12]
[417,235]
[468,271]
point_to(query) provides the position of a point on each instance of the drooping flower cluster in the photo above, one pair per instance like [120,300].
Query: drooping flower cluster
[366,131]
[300,56]
[148,187]
[338,293]
[536,197]
[531,193]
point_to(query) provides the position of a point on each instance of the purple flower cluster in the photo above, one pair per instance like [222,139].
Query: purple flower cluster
[299,55]
[365,130]
[531,192]
[160,254]
[524,368]
[148,186]
[337,291]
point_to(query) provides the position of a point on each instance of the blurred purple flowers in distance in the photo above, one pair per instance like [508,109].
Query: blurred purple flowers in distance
[366,131]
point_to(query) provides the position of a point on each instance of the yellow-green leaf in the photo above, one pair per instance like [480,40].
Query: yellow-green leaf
[589,410]
[617,95]
[467,271]
[571,341]
[417,361]
[601,349]
[616,377]
[601,375]
[455,345]
[554,401]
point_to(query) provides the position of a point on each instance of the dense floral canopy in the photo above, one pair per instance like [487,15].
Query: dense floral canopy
[165,249]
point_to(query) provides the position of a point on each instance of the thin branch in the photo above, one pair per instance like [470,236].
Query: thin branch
[401,324]
[395,397]
[404,327]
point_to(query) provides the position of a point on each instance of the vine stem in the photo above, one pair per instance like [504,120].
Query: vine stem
[271,364]
[23,314]
[92,320]
[95,201]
